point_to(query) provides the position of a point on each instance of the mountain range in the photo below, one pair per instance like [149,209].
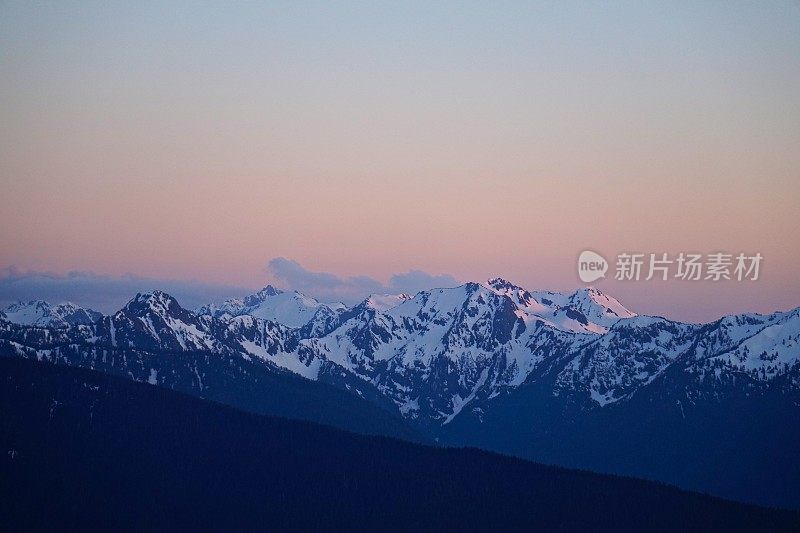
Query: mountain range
[573,379]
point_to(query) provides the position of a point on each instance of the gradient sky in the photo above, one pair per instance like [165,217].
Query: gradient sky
[201,140]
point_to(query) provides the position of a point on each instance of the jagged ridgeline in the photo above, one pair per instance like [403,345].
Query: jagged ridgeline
[574,379]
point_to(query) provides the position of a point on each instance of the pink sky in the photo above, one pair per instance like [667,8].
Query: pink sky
[200,146]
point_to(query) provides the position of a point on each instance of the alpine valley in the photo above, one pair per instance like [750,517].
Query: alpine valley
[570,379]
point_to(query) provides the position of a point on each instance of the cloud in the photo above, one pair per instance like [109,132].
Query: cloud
[109,293]
[104,293]
[330,287]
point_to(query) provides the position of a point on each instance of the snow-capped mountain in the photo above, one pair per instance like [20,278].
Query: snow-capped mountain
[292,309]
[447,350]
[586,310]
[156,321]
[490,364]
[243,361]
[41,313]
[433,353]
[444,351]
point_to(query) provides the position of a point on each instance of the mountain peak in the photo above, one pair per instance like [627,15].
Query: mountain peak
[502,284]
[156,295]
[269,290]
[593,302]
[261,296]
[157,301]
[471,287]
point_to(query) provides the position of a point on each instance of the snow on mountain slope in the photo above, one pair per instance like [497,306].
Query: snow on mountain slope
[444,349]
[271,342]
[587,310]
[597,307]
[730,331]
[156,321]
[384,302]
[761,345]
[435,353]
[419,328]
[445,352]
[630,355]
[41,313]
[292,309]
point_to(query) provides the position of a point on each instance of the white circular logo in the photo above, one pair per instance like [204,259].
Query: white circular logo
[591,266]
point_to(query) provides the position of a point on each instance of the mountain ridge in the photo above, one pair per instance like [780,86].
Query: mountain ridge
[452,362]
[504,331]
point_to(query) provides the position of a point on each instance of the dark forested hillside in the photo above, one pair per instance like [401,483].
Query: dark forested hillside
[80,449]
[244,384]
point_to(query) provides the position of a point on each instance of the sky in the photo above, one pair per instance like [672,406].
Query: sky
[215,147]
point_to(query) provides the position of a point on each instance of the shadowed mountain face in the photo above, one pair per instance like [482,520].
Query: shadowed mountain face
[84,449]
[572,379]
[741,443]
